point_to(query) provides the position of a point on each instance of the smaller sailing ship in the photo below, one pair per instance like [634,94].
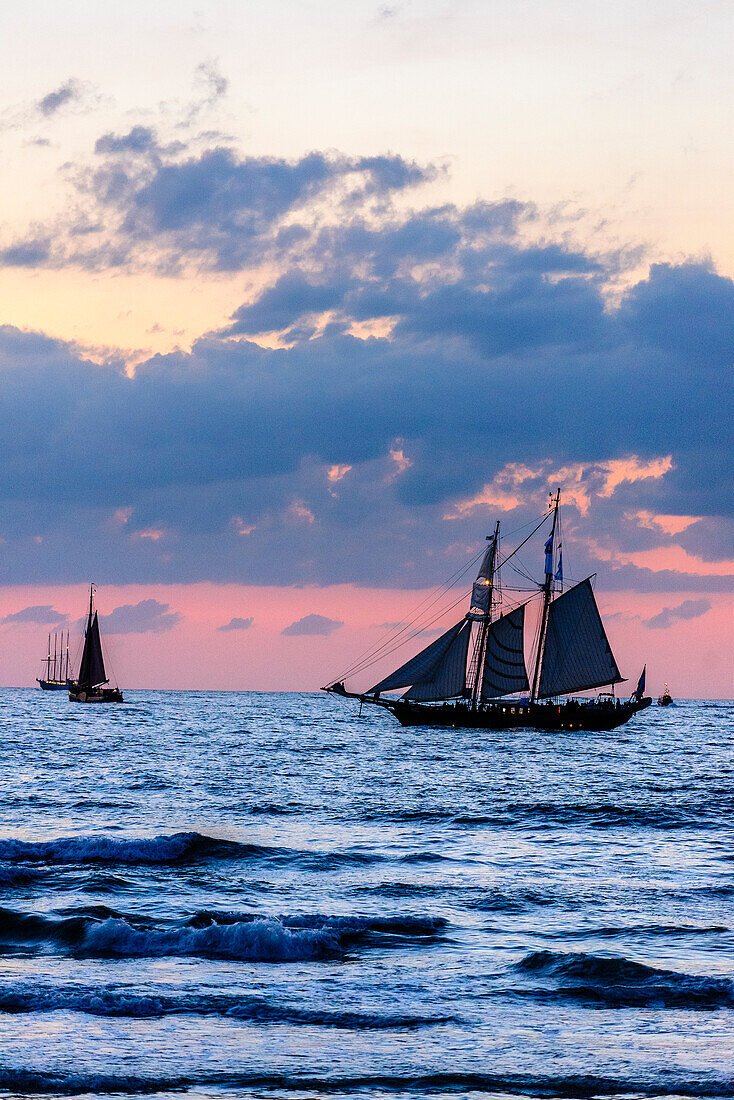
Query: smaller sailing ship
[56,674]
[665,699]
[90,685]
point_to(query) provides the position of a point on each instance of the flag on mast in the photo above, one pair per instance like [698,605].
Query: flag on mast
[549,555]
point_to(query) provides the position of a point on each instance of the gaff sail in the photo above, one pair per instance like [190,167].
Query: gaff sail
[577,655]
[504,659]
[92,671]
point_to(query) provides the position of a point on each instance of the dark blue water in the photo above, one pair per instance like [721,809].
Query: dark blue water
[260,895]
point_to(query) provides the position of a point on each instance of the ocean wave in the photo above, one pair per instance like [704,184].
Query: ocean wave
[617,982]
[550,814]
[602,815]
[13,874]
[173,848]
[100,932]
[109,1001]
[576,1086]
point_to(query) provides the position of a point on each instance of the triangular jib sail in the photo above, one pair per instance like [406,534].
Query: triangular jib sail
[577,654]
[92,670]
[504,661]
[437,672]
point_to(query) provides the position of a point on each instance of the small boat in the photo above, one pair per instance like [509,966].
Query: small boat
[57,676]
[665,699]
[90,684]
[475,674]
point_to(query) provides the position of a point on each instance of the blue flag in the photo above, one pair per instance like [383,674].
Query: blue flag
[549,555]
[559,570]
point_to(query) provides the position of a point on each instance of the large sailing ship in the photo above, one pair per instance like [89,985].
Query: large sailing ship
[475,674]
[57,675]
[90,685]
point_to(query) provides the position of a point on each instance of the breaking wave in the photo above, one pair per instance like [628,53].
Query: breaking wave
[99,932]
[116,1002]
[614,982]
[174,848]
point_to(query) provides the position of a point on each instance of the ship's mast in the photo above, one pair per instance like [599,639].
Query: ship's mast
[547,593]
[55,642]
[48,658]
[484,628]
[67,656]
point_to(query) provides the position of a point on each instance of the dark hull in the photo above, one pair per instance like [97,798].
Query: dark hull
[53,685]
[94,695]
[664,701]
[500,716]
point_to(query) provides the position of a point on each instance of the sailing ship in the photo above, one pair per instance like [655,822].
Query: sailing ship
[666,698]
[57,676]
[475,673]
[90,684]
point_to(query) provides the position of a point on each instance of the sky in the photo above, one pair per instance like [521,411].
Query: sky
[297,299]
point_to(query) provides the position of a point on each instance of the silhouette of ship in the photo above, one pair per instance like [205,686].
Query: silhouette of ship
[665,699]
[475,674]
[90,684]
[57,675]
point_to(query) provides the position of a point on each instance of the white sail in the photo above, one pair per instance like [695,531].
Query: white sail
[504,663]
[426,665]
[577,654]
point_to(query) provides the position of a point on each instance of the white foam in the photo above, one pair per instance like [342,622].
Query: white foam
[264,940]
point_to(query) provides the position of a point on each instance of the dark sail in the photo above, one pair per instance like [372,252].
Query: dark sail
[91,670]
[577,654]
[504,664]
[448,678]
[426,665]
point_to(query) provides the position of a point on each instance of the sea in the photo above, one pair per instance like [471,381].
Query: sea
[239,895]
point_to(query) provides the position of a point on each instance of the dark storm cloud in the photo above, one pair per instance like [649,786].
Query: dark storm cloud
[312,624]
[500,352]
[146,617]
[42,614]
[689,609]
[237,624]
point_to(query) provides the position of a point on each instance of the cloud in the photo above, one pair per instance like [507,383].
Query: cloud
[72,91]
[145,617]
[140,139]
[689,609]
[33,252]
[150,202]
[457,361]
[312,624]
[237,624]
[42,614]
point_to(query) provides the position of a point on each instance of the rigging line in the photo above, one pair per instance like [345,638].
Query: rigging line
[524,573]
[509,556]
[422,608]
[371,652]
[371,661]
[383,640]
[439,615]
[522,527]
